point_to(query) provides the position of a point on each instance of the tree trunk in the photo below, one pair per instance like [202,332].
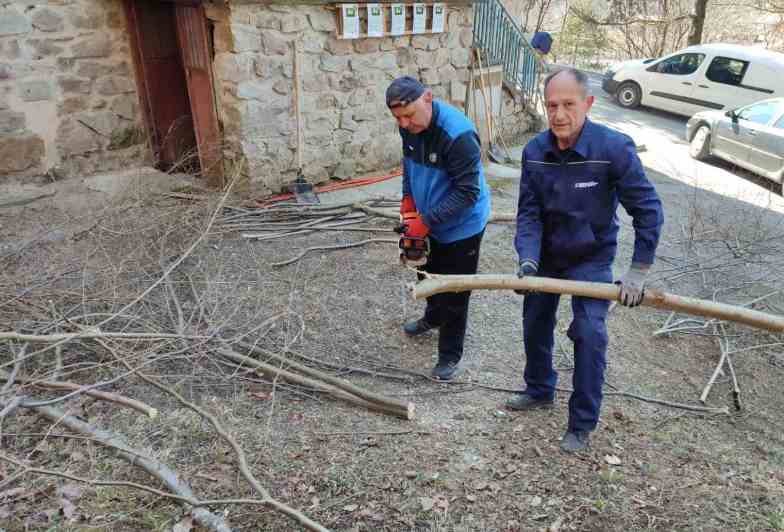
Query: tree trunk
[437,284]
[697,22]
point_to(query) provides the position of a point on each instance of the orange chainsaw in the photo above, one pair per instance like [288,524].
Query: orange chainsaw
[413,250]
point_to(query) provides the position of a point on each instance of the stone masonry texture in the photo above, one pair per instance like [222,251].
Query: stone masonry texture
[66,89]
[348,130]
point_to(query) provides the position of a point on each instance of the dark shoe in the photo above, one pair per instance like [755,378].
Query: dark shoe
[415,328]
[523,401]
[573,442]
[446,371]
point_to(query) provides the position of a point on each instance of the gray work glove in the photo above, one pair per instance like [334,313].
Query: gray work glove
[527,268]
[633,284]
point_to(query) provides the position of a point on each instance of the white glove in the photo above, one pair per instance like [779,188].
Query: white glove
[633,284]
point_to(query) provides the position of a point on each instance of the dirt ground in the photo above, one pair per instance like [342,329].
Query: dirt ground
[464,463]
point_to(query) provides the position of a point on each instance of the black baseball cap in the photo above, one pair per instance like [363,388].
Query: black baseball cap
[403,91]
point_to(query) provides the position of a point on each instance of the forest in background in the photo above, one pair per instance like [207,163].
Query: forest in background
[593,33]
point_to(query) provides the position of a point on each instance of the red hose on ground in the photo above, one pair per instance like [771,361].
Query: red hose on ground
[331,187]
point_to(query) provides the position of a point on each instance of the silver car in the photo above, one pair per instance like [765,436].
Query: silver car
[751,136]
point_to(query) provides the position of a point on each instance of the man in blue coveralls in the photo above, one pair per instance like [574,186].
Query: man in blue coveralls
[573,177]
[446,200]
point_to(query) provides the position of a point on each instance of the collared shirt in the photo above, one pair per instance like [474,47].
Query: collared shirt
[567,208]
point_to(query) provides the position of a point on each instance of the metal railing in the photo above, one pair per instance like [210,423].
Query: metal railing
[501,42]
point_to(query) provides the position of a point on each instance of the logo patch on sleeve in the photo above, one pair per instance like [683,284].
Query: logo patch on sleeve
[433,158]
[585,184]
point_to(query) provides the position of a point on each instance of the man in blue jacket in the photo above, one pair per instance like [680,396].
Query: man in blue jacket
[574,175]
[445,200]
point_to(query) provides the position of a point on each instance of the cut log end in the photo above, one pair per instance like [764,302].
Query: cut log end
[412,290]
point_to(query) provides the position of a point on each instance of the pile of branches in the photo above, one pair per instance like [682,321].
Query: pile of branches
[730,256]
[126,333]
[285,220]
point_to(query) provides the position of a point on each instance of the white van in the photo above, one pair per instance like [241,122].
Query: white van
[706,76]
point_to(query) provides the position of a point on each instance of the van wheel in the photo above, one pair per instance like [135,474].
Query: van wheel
[628,95]
[700,143]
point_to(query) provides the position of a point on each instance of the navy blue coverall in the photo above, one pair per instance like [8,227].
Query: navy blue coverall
[567,224]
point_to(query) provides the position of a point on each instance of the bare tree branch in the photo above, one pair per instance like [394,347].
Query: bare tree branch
[155,468]
[242,462]
[150,412]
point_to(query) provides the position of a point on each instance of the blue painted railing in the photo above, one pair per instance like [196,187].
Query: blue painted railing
[502,42]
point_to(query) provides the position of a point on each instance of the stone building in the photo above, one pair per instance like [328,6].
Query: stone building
[68,100]
[96,85]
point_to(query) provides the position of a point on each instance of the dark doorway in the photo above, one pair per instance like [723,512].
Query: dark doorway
[161,79]
[173,59]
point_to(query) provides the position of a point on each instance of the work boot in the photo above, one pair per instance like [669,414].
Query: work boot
[575,441]
[523,401]
[417,327]
[446,371]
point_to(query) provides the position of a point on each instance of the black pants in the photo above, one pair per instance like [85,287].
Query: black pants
[449,311]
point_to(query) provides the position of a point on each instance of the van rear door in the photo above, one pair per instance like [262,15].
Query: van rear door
[761,81]
[719,86]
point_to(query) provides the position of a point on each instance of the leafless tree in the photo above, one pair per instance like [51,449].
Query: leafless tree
[762,20]
[647,28]
[698,22]
[534,12]
[770,6]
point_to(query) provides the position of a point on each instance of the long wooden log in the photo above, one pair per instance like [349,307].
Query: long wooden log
[346,386]
[437,284]
[390,407]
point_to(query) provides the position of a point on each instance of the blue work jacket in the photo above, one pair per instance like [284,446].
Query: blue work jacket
[566,212]
[442,171]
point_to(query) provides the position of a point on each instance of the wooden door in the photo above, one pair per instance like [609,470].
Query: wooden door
[197,62]
[161,80]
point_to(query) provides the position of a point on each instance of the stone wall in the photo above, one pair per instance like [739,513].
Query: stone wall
[348,130]
[69,106]
[68,102]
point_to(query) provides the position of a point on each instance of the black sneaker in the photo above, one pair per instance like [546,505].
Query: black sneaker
[417,327]
[446,371]
[575,441]
[523,401]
